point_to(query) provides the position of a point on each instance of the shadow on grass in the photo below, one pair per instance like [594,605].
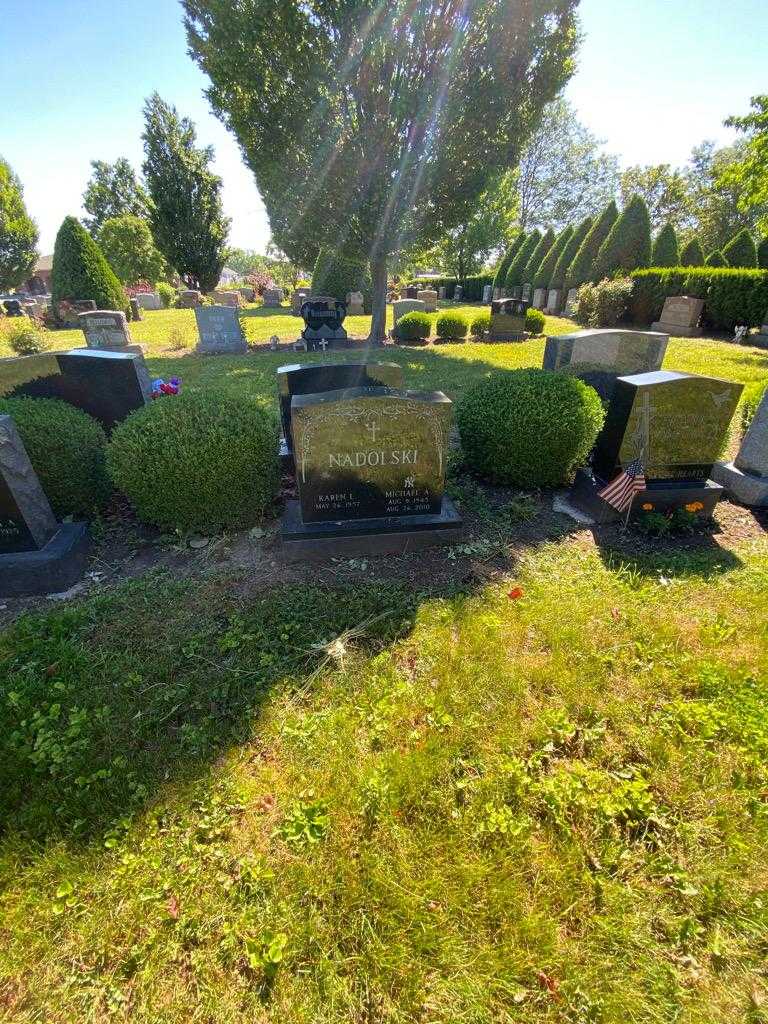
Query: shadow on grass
[700,555]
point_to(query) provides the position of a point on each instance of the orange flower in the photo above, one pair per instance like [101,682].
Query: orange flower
[515,593]
[647,506]
[694,506]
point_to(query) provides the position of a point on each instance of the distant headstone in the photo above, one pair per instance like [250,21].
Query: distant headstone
[299,297]
[680,316]
[746,478]
[429,298]
[13,307]
[190,299]
[314,378]
[355,304]
[516,292]
[441,292]
[553,301]
[220,331]
[458,293]
[105,329]
[273,297]
[570,301]
[539,298]
[487,292]
[370,472]
[676,424]
[323,317]
[411,292]
[37,554]
[149,300]
[226,297]
[402,306]
[508,319]
[598,357]
[107,385]
[248,293]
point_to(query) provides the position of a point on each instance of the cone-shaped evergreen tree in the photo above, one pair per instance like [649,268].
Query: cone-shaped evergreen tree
[500,279]
[565,259]
[545,244]
[628,245]
[741,250]
[716,259]
[18,232]
[547,266]
[762,254]
[665,252]
[80,270]
[520,262]
[581,270]
[692,254]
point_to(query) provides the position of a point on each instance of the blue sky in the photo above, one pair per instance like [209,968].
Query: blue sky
[655,77]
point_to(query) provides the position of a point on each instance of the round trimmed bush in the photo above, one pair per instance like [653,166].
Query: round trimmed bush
[480,325]
[414,328]
[67,449]
[529,428]
[23,336]
[166,292]
[451,326]
[534,320]
[197,461]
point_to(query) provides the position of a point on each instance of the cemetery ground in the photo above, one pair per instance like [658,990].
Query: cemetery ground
[521,779]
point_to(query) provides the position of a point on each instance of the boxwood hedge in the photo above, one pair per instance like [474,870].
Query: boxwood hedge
[731,296]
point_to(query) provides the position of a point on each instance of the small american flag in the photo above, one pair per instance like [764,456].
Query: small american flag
[620,492]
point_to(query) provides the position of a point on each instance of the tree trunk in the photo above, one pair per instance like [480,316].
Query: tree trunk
[378,333]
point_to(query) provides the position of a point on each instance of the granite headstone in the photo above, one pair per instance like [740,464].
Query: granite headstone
[323,316]
[746,478]
[680,316]
[105,329]
[598,357]
[429,297]
[273,297]
[508,319]
[220,331]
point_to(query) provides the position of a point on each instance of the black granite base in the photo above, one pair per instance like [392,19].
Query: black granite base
[393,535]
[51,570]
[664,496]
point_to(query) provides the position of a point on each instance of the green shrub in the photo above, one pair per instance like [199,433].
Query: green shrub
[546,242]
[566,257]
[529,428]
[534,320]
[604,304]
[741,250]
[199,461]
[414,328]
[628,245]
[543,275]
[520,262]
[716,259]
[338,275]
[80,270]
[451,326]
[692,254]
[480,325]
[582,267]
[67,450]
[665,252]
[23,336]
[500,277]
[731,296]
[166,292]
[762,254]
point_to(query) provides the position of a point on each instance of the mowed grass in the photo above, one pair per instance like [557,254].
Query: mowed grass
[450,368]
[376,804]
[369,804]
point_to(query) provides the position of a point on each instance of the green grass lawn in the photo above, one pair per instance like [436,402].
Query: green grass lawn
[370,802]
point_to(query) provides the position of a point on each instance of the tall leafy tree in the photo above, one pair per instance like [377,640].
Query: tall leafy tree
[750,173]
[18,232]
[130,250]
[570,249]
[563,175]
[186,213]
[716,195]
[628,245]
[762,254]
[665,251]
[664,190]
[112,191]
[692,254]
[583,266]
[380,124]
[741,250]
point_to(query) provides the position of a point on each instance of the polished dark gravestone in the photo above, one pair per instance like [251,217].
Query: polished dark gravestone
[314,378]
[599,357]
[370,473]
[508,319]
[107,385]
[677,425]
[37,554]
[323,316]
[220,331]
